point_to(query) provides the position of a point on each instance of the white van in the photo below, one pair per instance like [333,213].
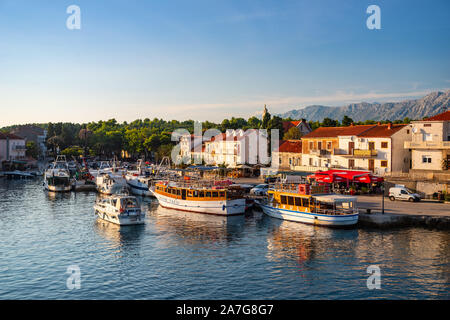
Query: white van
[400,192]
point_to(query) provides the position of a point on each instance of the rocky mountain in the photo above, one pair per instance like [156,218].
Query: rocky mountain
[430,105]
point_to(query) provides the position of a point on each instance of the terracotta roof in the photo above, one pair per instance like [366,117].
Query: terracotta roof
[444,116]
[4,135]
[292,146]
[330,132]
[384,130]
[289,124]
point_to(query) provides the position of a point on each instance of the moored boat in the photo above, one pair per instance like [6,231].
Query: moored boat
[119,209]
[109,183]
[311,205]
[57,176]
[201,197]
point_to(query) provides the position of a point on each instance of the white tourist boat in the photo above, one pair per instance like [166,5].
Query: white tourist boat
[195,197]
[57,176]
[110,183]
[306,204]
[139,181]
[120,209]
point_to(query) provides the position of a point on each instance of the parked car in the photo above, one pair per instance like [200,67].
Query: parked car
[402,193]
[260,190]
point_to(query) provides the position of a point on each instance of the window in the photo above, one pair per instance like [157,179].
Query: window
[283,200]
[319,145]
[310,161]
[291,201]
[427,125]
[426,159]
[298,202]
[384,144]
[208,194]
[427,137]
[304,202]
[215,194]
[201,194]
[351,163]
[222,194]
[329,145]
[407,131]
[195,194]
[371,145]
[383,163]
[311,145]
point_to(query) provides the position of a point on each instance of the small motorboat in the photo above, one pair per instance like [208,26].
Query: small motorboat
[120,209]
[57,176]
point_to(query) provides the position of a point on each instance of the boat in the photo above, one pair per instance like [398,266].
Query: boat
[119,209]
[110,183]
[18,175]
[84,180]
[310,204]
[57,176]
[201,197]
[140,180]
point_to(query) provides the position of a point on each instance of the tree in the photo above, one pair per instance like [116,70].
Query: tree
[327,122]
[346,121]
[293,134]
[32,149]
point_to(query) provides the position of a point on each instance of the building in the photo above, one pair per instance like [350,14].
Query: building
[289,154]
[32,133]
[302,125]
[377,148]
[236,147]
[190,147]
[430,143]
[12,147]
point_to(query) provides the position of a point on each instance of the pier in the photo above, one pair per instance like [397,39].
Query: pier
[426,213]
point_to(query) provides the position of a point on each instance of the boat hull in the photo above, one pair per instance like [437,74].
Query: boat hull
[58,188]
[310,218]
[121,220]
[139,189]
[221,208]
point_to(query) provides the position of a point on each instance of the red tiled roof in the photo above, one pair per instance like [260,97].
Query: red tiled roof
[330,132]
[383,130]
[4,135]
[444,116]
[292,146]
[289,124]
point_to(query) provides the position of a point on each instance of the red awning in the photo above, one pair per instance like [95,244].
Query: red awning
[331,176]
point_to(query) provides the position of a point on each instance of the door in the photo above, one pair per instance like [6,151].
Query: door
[183,194]
[351,146]
[371,164]
[371,145]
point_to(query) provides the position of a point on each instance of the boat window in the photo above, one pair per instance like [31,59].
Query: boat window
[283,200]
[178,192]
[201,194]
[208,194]
[298,202]
[215,194]
[222,194]
[304,202]
[196,194]
[291,201]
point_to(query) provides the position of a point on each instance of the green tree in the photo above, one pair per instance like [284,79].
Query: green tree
[32,150]
[346,121]
[293,134]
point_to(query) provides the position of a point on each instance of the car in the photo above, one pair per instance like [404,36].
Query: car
[270,180]
[260,190]
[399,192]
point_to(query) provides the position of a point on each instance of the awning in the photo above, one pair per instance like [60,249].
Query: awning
[331,176]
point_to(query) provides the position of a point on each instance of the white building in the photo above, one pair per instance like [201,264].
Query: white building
[430,143]
[12,147]
[377,148]
[237,147]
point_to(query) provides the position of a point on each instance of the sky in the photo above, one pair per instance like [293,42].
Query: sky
[214,59]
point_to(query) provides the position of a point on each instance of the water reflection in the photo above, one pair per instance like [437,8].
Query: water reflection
[194,228]
[120,237]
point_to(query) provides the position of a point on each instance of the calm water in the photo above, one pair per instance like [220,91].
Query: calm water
[190,256]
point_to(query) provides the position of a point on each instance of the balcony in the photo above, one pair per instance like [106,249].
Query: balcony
[321,152]
[427,145]
[364,153]
[20,147]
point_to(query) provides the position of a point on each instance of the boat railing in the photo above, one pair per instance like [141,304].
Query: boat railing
[318,210]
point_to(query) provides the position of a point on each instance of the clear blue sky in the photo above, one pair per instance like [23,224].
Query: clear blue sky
[211,59]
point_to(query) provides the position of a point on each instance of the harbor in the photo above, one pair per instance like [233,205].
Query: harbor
[175,254]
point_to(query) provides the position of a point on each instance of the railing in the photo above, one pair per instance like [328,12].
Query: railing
[427,144]
[364,152]
[319,152]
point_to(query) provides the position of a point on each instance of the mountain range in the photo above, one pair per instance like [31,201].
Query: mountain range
[430,105]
